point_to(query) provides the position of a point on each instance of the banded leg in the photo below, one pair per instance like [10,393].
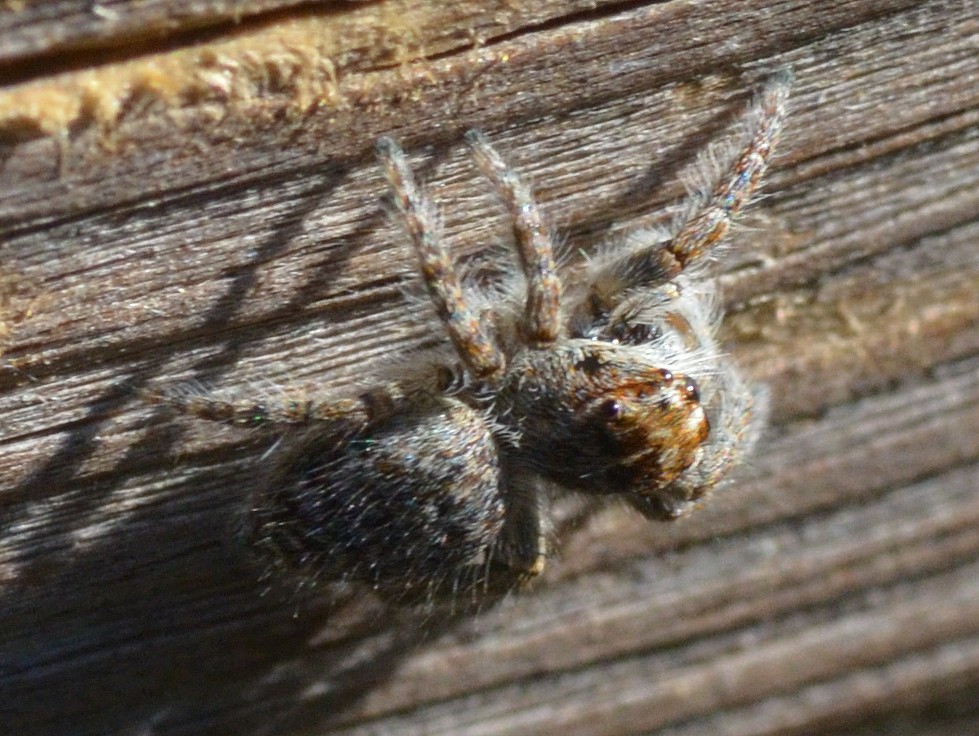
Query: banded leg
[541,323]
[712,212]
[652,257]
[477,349]
[339,417]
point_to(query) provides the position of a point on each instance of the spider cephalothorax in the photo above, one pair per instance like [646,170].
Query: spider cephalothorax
[611,384]
[599,417]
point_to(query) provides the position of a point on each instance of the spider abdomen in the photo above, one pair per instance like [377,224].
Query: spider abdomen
[416,499]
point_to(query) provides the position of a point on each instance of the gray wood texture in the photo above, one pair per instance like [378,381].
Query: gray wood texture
[188,194]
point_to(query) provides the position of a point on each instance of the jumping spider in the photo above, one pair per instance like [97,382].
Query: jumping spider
[614,385]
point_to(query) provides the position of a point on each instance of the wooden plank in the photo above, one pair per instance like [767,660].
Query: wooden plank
[205,208]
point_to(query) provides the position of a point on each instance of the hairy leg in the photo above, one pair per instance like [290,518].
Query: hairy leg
[727,179]
[477,349]
[297,407]
[541,324]
[713,208]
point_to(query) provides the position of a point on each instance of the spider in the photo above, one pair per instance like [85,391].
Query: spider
[613,385]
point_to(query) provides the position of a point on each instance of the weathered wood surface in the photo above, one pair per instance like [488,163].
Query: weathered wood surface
[183,198]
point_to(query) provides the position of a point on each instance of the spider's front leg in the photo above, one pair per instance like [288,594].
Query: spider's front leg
[727,178]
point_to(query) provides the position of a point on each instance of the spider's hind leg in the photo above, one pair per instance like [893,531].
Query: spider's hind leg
[298,407]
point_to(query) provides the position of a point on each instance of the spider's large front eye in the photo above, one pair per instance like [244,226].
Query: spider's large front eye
[611,409]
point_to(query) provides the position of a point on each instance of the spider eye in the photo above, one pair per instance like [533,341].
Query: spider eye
[611,409]
[691,390]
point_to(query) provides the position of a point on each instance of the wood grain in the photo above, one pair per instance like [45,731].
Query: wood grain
[188,194]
